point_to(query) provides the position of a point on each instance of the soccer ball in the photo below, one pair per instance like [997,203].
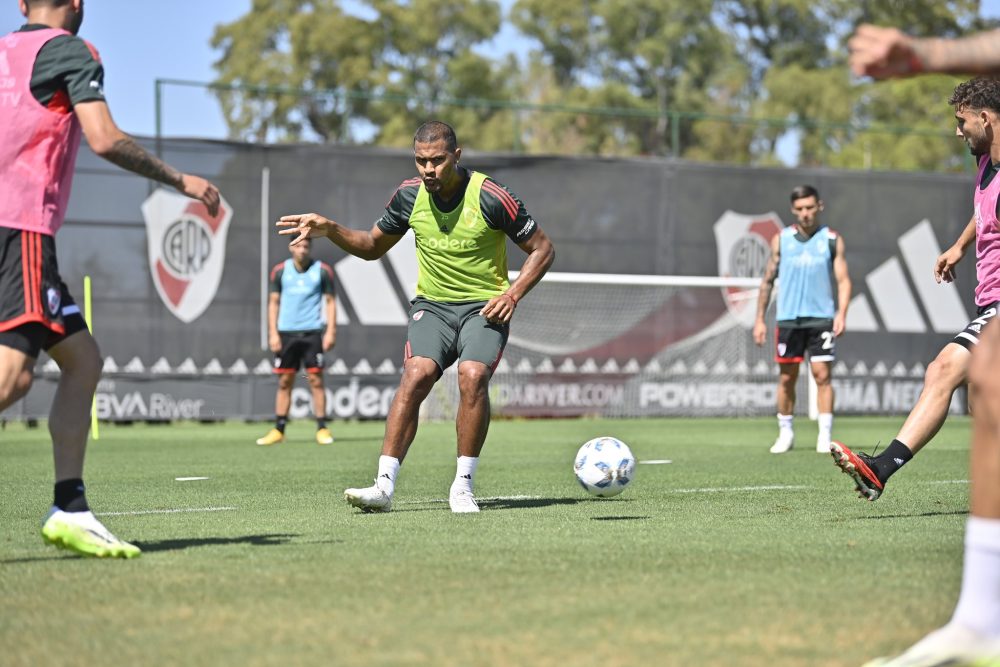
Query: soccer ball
[604,466]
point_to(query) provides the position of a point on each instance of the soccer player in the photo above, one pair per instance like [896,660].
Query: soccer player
[977,109]
[812,310]
[973,634]
[461,220]
[53,88]
[301,325]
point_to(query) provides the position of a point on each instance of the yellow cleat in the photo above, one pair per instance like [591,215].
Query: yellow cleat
[273,437]
[83,533]
[324,437]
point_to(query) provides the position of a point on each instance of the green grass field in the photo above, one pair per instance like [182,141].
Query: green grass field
[728,555]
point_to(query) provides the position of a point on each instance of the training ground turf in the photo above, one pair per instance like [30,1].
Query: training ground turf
[727,555]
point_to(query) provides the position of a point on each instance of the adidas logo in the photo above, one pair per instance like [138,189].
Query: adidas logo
[465,476]
[385,474]
[890,291]
[898,462]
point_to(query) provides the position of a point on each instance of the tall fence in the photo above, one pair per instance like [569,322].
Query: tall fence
[179,300]
[693,135]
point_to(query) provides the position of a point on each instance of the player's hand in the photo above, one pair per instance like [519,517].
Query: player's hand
[198,188]
[882,53]
[274,342]
[499,309]
[839,324]
[329,340]
[945,264]
[759,333]
[304,226]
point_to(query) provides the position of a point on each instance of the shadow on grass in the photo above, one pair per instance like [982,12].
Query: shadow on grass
[176,545]
[618,518]
[491,504]
[273,540]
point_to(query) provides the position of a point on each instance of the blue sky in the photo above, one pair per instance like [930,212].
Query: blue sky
[141,41]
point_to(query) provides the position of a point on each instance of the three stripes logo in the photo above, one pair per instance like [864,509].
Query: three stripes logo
[892,298]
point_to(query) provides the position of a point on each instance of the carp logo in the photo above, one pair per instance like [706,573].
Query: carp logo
[187,251]
[744,246]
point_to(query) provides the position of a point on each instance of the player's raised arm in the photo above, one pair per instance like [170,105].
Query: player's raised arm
[369,245]
[884,53]
[108,141]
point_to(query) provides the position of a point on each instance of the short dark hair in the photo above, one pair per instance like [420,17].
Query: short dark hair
[435,130]
[804,191]
[983,92]
[46,3]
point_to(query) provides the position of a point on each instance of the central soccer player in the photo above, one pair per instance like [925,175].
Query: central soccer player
[461,220]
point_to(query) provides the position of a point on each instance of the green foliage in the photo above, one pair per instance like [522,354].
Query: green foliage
[720,80]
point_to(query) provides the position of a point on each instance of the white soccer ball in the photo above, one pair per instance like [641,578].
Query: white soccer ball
[604,466]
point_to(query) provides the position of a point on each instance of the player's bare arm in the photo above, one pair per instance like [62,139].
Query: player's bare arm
[330,335]
[108,141]
[843,279]
[946,261]
[764,293]
[888,52]
[273,306]
[541,254]
[368,245]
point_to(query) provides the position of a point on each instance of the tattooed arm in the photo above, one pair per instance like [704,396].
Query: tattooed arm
[888,52]
[108,141]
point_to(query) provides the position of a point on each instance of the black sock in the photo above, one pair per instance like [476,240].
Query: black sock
[892,459]
[69,496]
[281,422]
[320,423]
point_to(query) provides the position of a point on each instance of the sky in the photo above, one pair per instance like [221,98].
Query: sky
[142,41]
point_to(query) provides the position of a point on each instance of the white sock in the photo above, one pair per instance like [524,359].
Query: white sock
[979,603]
[388,468]
[465,471]
[785,422]
[825,422]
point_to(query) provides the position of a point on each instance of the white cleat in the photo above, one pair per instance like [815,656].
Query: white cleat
[369,499]
[462,502]
[784,443]
[823,444]
[83,533]
[951,646]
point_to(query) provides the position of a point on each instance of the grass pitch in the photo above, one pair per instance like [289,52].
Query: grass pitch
[727,555]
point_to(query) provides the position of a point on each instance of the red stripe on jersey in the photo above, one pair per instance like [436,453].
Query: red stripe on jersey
[504,197]
[93,51]
[326,267]
[277,267]
[410,182]
[60,102]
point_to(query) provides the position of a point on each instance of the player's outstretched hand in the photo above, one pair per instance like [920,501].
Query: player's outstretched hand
[304,226]
[882,53]
[198,188]
[499,309]
[945,264]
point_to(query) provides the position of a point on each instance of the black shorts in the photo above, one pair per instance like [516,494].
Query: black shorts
[792,344]
[298,349]
[969,336]
[36,309]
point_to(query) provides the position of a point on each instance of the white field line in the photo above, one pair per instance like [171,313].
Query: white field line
[189,479]
[654,462]
[169,511]
[486,499]
[951,481]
